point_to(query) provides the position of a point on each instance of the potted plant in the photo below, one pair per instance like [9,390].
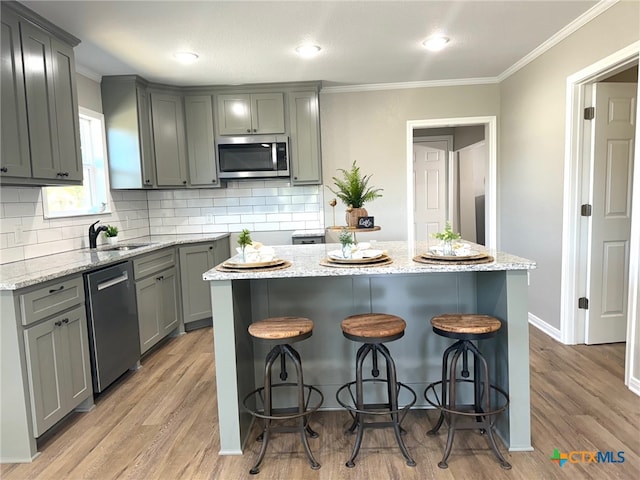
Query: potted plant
[244,239]
[346,240]
[111,234]
[354,191]
[447,237]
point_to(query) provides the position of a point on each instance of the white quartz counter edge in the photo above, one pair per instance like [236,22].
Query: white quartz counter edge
[305,260]
[16,275]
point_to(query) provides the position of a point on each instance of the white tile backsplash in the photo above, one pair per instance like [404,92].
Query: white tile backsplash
[258,205]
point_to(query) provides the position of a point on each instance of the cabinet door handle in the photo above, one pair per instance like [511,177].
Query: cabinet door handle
[58,323]
[4,169]
[213,181]
[53,290]
[308,242]
[65,174]
[65,320]
[248,130]
[184,182]
[160,277]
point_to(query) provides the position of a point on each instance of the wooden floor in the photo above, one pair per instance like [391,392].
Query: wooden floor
[160,423]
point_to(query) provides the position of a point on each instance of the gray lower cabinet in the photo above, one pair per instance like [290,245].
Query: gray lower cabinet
[304,147]
[57,352]
[201,153]
[169,143]
[194,261]
[41,79]
[127,114]
[156,296]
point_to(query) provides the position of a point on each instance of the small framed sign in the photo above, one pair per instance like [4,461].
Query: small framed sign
[365,222]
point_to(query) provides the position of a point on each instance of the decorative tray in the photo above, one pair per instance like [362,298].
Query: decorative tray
[269,267]
[266,263]
[379,261]
[439,260]
[454,258]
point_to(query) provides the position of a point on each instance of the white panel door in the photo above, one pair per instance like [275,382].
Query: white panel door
[430,187]
[613,150]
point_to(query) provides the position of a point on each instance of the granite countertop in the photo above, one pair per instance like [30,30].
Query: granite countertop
[16,275]
[306,260]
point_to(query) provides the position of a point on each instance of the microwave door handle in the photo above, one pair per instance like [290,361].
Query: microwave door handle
[274,156]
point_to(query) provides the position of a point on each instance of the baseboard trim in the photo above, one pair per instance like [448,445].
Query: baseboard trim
[544,327]
[634,385]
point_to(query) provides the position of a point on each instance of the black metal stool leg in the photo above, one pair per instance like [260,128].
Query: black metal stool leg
[295,358]
[357,422]
[445,360]
[392,383]
[271,358]
[451,405]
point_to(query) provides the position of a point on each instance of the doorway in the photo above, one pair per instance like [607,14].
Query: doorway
[417,129]
[576,235]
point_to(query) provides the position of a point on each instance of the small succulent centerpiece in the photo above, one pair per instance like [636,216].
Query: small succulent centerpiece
[346,240]
[111,234]
[447,237]
[244,239]
[354,191]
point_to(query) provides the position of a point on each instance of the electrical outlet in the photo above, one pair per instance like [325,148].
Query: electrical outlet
[18,233]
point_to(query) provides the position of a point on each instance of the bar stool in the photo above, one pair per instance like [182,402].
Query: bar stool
[466,328]
[373,330]
[281,332]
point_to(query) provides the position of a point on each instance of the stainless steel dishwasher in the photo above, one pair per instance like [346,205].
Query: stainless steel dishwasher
[114,339]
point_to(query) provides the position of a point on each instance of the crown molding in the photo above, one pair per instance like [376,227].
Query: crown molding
[405,85]
[579,22]
[86,72]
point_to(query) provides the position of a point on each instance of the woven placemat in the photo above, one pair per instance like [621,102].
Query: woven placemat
[285,264]
[378,262]
[421,259]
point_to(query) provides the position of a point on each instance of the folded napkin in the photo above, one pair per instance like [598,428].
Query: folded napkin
[257,252]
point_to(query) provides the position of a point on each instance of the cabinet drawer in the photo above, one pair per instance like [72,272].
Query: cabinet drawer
[307,240]
[54,297]
[154,262]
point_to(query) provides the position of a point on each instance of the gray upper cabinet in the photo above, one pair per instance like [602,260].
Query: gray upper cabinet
[200,140]
[52,125]
[16,160]
[127,114]
[250,113]
[304,140]
[169,144]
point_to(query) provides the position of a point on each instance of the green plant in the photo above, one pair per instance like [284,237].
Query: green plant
[353,188]
[345,238]
[244,238]
[447,235]
[111,231]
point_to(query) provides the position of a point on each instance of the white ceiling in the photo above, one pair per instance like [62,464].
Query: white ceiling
[363,42]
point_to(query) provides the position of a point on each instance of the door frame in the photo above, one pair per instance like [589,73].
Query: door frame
[491,200]
[571,323]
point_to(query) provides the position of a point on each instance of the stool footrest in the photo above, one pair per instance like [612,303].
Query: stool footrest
[286,413]
[352,406]
[438,404]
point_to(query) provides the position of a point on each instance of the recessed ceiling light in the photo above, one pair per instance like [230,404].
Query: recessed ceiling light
[435,44]
[308,51]
[186,57]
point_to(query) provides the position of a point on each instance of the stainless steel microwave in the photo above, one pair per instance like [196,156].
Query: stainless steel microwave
[256,156]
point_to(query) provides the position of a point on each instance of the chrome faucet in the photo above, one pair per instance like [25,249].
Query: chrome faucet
[94,232]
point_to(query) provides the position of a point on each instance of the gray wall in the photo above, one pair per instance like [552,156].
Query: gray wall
[531,149]
[370,127]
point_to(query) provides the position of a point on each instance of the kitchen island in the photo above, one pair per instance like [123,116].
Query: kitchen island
[412,290]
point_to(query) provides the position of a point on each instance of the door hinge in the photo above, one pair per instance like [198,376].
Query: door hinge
[590,113]
[583,303]
[585,210]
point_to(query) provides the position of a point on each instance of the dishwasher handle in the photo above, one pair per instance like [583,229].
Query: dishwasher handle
[114,281]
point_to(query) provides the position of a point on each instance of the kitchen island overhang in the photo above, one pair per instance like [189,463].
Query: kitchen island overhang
[414,291]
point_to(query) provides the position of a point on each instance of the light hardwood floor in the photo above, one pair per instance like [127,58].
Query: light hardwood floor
[160,423]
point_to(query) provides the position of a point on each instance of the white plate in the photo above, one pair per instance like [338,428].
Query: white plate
[358,254]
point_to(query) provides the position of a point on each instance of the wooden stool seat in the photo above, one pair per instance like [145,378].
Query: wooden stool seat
[468,325]
[373,326]
[281,328]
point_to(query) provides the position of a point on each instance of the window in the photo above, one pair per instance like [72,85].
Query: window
[92,197]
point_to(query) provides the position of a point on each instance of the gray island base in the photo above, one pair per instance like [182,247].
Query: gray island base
[414,291]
